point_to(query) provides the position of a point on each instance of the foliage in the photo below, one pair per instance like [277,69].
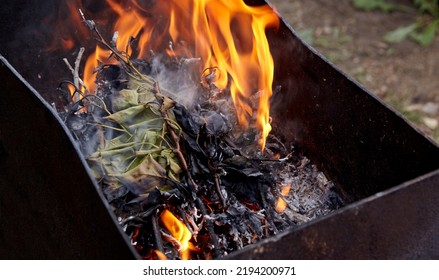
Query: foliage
[428,6]
[422,31]
[383,5]
[139,155]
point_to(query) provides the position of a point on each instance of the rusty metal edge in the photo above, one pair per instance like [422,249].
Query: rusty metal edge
[117,242]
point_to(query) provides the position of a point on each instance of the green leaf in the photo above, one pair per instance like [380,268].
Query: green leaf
[429,6]
[139,156]
[125,115]
[119,142]
[400,34]
[171,163]
[124,99]
[426,37]
[142,116]
[145,177]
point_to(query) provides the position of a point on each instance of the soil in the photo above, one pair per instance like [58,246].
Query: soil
[404,74]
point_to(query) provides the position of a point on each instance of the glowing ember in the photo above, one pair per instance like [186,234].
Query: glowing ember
[179,231]
[281,204]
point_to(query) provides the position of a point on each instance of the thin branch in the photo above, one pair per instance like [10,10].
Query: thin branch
[124,58]
[77,81]
[210,227]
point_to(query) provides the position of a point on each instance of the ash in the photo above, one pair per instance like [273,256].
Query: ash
[312,195]
[154,153]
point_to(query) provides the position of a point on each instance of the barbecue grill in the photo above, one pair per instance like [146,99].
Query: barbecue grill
[52,208]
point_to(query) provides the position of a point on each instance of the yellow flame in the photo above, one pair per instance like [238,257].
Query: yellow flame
[281,205]
[231,35]
[160,255]
[179,231]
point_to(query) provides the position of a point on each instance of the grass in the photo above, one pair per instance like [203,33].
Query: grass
[332,41]
[422,30]
[416,117]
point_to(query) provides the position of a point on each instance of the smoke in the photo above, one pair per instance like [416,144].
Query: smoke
[179,79]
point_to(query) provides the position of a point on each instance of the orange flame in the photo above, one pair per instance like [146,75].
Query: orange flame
[160,255]
[179,231]
[231,35]
[132,21]
[228,35]
[67,44]
[100,55]
[281,205]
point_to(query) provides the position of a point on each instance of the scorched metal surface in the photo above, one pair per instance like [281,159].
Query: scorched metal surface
[49,206]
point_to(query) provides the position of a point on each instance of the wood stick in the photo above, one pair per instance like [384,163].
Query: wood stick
[217,183]
[77,81]
[268,214]
[157,235]
[209,226]
[185,221]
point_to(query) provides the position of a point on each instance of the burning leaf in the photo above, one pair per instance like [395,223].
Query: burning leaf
[140,156]
[124,99]
[215,123]
[114,189]
[189,123]
[148,175]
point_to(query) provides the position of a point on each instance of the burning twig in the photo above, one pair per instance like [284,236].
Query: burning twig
[171,49]
[268,214]
[124,59]
[172,239]
[209,226]
[218,188]
[194,228]
[185,221]
[77,81]
[156,230]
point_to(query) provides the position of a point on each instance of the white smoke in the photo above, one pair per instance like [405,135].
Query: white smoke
[180,80]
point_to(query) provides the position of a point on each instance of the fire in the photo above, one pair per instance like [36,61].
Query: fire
[281,204]
[227,35]
[179,232]
[160,255]
[100,55]
[231,35]
[132,21]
